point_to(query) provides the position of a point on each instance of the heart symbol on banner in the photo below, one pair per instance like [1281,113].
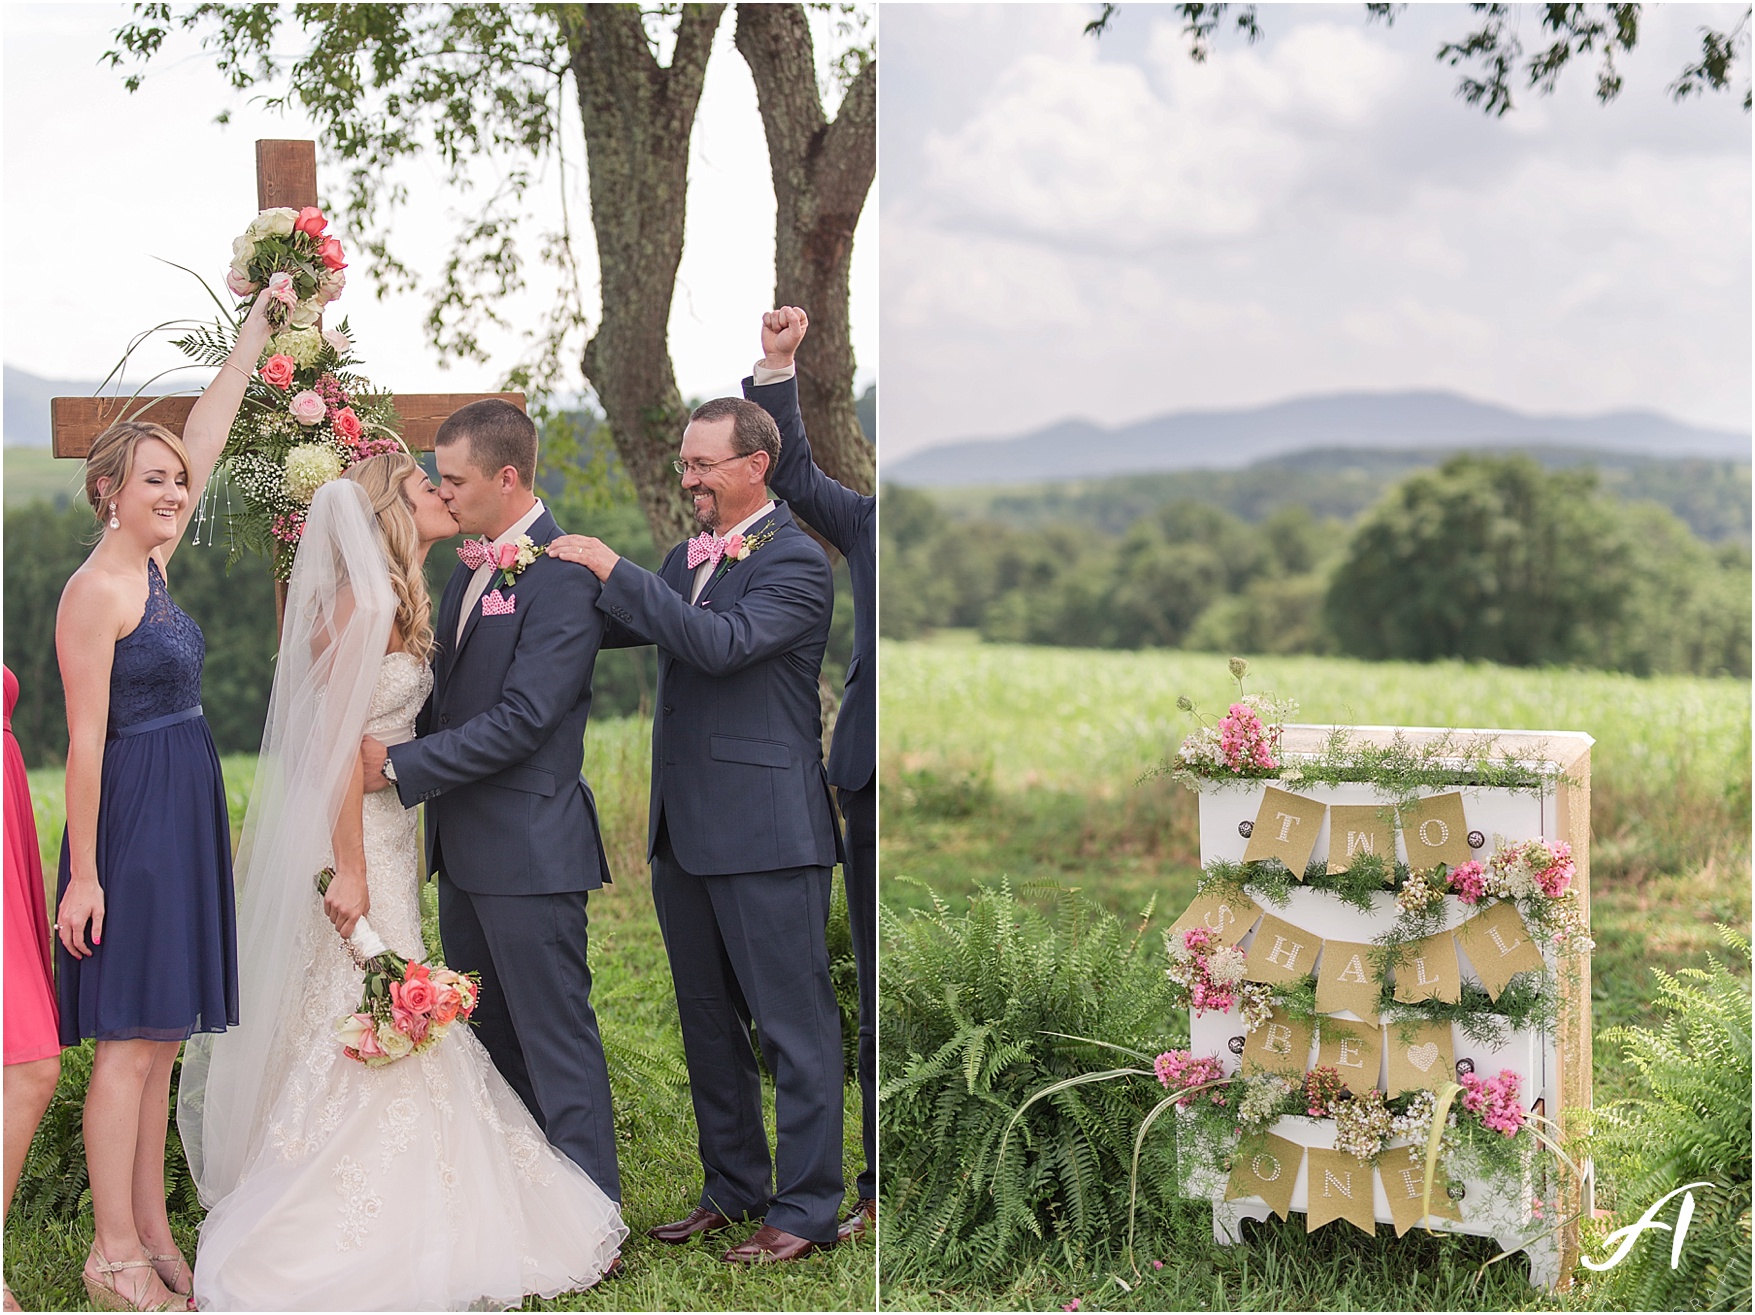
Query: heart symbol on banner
[1423,1057]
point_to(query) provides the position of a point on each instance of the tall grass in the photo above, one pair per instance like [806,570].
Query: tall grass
[632,994]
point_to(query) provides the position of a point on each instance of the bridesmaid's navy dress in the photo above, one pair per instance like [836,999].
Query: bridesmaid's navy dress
[168,964]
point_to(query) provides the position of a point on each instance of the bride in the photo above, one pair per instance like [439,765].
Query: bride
[423,1184]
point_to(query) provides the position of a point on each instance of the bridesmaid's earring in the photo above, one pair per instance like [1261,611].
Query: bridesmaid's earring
[114,523]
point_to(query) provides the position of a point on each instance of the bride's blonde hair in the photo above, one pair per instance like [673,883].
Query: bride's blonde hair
[382,477]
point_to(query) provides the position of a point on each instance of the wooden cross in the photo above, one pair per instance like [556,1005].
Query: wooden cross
[286,175]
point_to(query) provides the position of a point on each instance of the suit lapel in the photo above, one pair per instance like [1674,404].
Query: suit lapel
[448,607]
[541,530]
[769,525]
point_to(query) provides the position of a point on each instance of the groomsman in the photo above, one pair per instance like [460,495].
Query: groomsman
[742,835]
[848,520]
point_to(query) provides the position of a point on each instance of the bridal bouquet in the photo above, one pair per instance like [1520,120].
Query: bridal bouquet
[406,1006]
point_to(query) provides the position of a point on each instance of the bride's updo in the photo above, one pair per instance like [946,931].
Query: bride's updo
[382,477]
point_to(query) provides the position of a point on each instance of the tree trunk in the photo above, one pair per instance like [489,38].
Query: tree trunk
[822,172]
[638,116]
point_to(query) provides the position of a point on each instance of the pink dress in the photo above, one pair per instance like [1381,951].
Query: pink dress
[31,1025]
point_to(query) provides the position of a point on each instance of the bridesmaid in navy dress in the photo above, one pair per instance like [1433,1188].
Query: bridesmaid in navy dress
[147,949]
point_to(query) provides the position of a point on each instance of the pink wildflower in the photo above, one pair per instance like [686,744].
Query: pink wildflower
[1468,880]
[1495,1100]
[1071,1305]
[1179,1068]
[1557,876]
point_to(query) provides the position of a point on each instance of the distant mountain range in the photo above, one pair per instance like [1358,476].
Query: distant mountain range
[1230,439]
[27,402]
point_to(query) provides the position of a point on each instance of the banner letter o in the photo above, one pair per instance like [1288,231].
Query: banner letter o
[1443,832]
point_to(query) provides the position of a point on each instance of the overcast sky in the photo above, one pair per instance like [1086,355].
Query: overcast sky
[1105,229]
[99,182]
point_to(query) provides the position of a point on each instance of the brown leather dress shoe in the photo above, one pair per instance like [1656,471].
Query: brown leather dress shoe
[698,1220]
[862,1219]
[767,1245]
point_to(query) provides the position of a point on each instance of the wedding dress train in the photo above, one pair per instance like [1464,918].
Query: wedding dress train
[421,1185]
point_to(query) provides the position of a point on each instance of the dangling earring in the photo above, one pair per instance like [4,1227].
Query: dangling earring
[114,523]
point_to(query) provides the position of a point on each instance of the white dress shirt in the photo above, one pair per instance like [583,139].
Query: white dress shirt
[478,582]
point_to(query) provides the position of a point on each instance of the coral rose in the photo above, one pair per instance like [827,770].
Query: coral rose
[415,995]
[347,424]
[277,371]
[330,251]
[310,221]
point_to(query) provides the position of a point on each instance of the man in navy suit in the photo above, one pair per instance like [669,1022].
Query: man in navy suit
[848,520]
[742,834]
[511,825]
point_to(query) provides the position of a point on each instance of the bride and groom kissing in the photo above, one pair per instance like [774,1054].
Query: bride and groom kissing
[484,1168]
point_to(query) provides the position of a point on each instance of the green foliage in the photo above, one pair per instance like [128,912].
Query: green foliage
[1688,1123]
[1492,559]
[967,1003]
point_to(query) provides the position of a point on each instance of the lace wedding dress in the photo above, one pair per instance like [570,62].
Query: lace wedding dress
[421,1185]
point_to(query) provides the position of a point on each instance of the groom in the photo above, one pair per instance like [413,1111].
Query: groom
[742,838]
[511,825]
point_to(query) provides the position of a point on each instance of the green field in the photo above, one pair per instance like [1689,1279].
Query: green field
[1026,762]
[33,474]
[637,1014]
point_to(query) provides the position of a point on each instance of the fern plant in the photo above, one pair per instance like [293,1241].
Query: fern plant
[1690,1125]
[974,1012]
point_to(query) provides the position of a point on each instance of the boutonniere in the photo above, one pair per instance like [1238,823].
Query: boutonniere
[512,558]
[738,547]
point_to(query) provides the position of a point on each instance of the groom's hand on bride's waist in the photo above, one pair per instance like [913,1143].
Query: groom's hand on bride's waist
[372,755]
[594,555]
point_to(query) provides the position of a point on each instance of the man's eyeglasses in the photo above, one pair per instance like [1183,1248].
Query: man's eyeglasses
[702,467]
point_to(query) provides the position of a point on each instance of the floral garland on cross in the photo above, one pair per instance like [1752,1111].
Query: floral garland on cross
[307,415]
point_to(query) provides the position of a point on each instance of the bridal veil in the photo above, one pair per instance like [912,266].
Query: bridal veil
[339,610]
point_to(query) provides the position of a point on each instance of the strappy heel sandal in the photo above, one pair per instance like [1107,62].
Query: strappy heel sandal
[102,1290]
[179,1273]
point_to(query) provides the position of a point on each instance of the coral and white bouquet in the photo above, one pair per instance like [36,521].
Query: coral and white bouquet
[290,253]
[406,1006]
[306,416]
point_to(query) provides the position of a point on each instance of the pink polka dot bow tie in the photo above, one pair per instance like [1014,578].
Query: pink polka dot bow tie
[474,552]
[706,547]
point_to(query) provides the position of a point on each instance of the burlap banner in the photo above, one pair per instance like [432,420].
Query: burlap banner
[1404,1178]
[1435,831]
[1498,946]
[1340,1187]
[1354,1050]
[1280,1045]
[1420,1057]
[1270,1172]
[1429,970]
[1285,828]
[1355,829]
[1345,980]
[1228,916]
[1281,952]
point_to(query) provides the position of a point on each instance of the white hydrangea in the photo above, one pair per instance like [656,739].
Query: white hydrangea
[309,467]
[304,344]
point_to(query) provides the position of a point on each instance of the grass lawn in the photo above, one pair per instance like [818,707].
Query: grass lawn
[1026,762]
[637,1013]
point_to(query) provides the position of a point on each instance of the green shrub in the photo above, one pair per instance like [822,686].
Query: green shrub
[1690,1125]
[968,1003]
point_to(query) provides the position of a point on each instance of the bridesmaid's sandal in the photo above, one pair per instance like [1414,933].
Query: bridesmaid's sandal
[102,1289]
[173,1271]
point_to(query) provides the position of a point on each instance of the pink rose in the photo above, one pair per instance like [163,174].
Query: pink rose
[339,342]
[415,995]
[347,424]
[310,221]
[411,1025]
[367,1045]
[505,555]
[330,251]
[280,287]
[278,371]
[238,284]
[307,408]
[734,546]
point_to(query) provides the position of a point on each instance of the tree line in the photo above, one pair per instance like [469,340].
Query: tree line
[1484,558]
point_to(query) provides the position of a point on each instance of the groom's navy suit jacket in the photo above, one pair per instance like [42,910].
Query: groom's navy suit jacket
[737,737]
[502,737]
